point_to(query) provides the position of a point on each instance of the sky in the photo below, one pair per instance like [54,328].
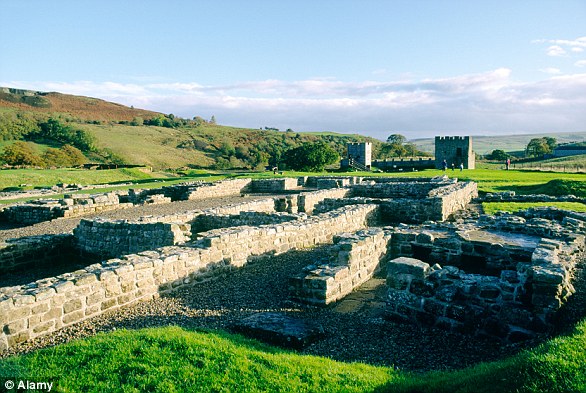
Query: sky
[416,67]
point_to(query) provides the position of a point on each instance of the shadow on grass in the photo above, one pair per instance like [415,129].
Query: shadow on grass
[554,188]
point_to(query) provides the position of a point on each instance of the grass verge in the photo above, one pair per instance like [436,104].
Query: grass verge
[171,359]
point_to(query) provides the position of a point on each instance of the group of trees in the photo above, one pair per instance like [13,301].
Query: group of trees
[538,147]
[23,154]
[73,142]
[397,146]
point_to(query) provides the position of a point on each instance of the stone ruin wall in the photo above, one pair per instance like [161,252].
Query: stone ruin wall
[34,250]
[47,305]
[518,301]
[438,206]
[109,238]
[206,222]
[355,258]
[74,205]
[274,186]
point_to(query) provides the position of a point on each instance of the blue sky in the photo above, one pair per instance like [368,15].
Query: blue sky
[421,68]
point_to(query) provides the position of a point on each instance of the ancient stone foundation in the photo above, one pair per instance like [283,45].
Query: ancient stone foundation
[34,250]
[355,258]
[507,285]
[47,305]
[500,276]
[71,206]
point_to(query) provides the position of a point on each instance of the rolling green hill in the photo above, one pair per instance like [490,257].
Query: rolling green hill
[132,136]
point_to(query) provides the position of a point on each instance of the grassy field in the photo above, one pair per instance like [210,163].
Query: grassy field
[493,207]
[49,177]
[522,182]
[171,359]
[153,146]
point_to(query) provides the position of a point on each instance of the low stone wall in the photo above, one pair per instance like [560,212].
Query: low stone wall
[511,196]
[218,189]
[312,181]
[308,200]
[34,250]
[197,190]
[332,183]
[393,190]
[355,259]
[274,185]
[515,306]
[73,205]
[103,238]
[440,203]
[454,197]
[238,243]
[206,222]
[111,238]
[47,305]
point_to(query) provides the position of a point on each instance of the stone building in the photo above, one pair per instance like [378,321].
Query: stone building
[455,150]
[358,153]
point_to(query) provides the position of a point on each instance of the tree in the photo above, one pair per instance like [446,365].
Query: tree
[74,155]
[213,120]
[55,157]
[396,139]
[498,155]
[538,147]
[551,143]
[20,153]
[311,157]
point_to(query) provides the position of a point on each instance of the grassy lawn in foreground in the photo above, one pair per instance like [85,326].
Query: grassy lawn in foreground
[172,359]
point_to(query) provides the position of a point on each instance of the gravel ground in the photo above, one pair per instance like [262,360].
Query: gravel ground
[359,335]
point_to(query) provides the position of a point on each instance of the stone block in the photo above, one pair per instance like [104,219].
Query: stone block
[73,317]
[405,265]
[72,305]
[16,326]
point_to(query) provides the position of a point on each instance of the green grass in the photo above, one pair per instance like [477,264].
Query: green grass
[50,177]
[493,207]
[171,359]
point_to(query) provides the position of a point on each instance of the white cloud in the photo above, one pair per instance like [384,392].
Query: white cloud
[556,50]
[559,48]
[551,70]
[580,63]
[485,103]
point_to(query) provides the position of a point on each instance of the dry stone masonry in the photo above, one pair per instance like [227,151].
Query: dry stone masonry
[355,258]
[503,276]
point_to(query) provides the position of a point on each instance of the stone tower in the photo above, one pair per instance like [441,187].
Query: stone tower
[455,150]
[361,153]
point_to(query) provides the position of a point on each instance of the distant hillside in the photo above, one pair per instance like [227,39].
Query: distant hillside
[79,107]
[169,142]
[508,143]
